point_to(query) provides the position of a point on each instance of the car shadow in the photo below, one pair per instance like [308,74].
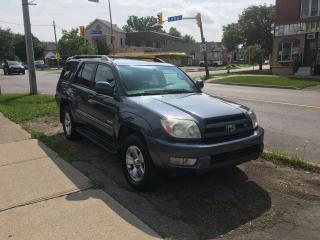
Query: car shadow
[184,206]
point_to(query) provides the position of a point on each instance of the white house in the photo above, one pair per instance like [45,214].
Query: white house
[100,29]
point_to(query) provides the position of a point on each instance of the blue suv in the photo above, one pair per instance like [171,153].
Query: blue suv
[155,116]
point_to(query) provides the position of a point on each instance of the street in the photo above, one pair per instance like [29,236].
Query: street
[289,117]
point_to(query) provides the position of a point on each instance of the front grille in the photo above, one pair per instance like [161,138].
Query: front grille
[227,128]
[253,151]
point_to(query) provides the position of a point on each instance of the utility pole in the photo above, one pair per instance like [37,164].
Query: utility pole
[29,47]
[203,41]
[112,36]
[57,47]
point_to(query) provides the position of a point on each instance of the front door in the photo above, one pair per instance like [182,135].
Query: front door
[104,107]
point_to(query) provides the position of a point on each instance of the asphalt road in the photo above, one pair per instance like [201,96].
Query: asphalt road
[291,118]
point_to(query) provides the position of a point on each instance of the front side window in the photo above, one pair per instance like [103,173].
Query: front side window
[85,74]
[288,51]
[152,80]
[104,74]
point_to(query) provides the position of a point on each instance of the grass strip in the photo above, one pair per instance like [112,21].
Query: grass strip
[290,160]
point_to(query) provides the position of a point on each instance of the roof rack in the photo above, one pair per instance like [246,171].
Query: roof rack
[154,59]
[103,57]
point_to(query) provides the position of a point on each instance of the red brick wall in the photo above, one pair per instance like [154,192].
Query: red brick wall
[287,11]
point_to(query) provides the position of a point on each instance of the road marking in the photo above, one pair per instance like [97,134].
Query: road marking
[273,102]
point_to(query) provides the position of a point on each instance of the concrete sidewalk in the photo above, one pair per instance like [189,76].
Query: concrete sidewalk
[44,197]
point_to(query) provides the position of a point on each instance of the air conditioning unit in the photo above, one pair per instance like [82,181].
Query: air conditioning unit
[311,36]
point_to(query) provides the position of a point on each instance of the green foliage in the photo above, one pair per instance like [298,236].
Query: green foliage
[188,38]
[271,81]
[6,44]
[254,27]
[21,108]
[12,46]
[232,36]
[142,24]
[174,32]
[71,43]
[20,47]
[102,47]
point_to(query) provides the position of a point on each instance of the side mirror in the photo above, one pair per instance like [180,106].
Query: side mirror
[103,88]
[199,84]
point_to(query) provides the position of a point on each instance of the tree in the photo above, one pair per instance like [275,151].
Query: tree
[20,47]
[189,39]
[232,36]
[6,44]
[257,55]
[71,43]
[254,27]
[102,47]
[142,24]
[174,32]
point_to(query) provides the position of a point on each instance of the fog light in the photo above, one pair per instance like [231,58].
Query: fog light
[183,161]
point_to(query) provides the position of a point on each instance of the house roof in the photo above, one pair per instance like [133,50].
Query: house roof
[106,23]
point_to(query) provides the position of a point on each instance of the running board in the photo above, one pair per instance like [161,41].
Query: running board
[98,139]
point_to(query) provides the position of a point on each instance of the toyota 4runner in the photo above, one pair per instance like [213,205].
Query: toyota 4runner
[155,116]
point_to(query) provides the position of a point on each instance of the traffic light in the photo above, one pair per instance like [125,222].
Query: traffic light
[82,31]
[160,18]
[198,19]
[113,38]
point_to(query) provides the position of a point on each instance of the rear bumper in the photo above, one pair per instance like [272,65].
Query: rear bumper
[209,156]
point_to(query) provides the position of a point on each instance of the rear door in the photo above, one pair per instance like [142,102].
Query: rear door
[82,91]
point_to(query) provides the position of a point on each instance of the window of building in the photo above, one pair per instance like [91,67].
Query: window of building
[288,51]
[310,8]
[121,42]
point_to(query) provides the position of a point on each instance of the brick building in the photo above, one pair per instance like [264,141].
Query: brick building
[296,42]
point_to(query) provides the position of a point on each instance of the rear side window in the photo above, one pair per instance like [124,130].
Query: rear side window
[85,74]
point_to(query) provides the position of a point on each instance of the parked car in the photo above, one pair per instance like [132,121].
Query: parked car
[211,63]
[10,67]
[155,116]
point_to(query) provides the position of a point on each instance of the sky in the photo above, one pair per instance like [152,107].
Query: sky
[73,13]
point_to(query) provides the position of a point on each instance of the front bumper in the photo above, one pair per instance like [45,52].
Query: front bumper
[209,156]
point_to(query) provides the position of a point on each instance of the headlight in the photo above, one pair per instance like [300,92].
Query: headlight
[181,128]
[253,117]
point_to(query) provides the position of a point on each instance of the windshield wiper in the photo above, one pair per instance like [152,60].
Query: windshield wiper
[175,91]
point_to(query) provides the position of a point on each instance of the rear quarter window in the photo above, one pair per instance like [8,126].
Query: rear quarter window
[69,71]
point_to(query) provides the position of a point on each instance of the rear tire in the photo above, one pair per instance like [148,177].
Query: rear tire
[69,125]
[137,164]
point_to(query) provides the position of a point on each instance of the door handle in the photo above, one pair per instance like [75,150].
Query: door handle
[91,95]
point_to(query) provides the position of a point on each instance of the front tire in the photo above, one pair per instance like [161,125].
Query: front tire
[137,164]
[69,125]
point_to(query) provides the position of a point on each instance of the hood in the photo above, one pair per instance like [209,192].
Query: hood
[188,106]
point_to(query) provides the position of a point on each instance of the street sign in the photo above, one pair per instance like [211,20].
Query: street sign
[175,18]
[58,56]
[203,47]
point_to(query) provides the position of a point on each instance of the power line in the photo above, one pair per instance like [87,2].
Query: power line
[21,24]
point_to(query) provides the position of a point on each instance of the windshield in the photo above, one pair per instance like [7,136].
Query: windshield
[13,63]
[152,80]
